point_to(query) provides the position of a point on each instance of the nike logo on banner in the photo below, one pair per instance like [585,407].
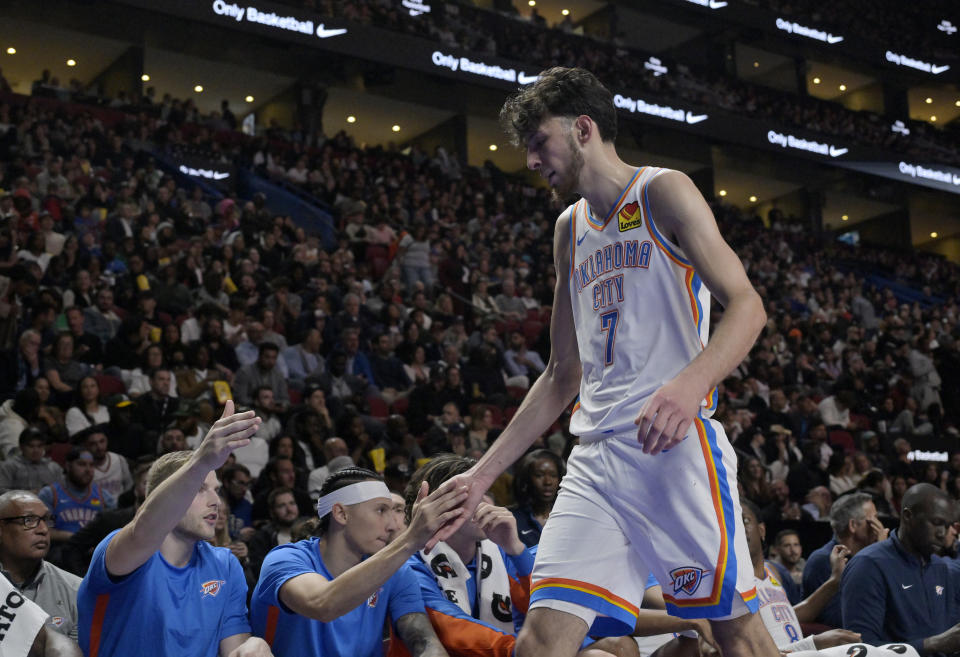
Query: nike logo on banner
[324,33]
[834,39]
[523,78]
[937,70]
[906,586]
[837,152]
[695,118]
[580,239]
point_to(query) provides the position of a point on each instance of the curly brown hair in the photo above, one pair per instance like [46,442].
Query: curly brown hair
[559,91]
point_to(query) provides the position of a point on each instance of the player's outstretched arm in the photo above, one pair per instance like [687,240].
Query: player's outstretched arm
[809,609]
[684,216]
[548,396]
[165,506]
[419,637]
[314,596]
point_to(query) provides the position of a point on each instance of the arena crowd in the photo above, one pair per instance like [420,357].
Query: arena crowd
[134,303]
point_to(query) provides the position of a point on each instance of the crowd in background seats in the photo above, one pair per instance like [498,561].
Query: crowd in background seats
[619,59]
[132,302]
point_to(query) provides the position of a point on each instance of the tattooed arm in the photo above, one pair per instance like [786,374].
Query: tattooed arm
[418,635]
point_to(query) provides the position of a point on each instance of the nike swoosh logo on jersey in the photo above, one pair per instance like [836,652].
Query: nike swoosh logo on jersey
[526,531]
[906,586]
[580,239]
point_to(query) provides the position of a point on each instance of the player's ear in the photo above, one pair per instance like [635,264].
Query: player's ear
[583,128]
[339,514]
[762,528]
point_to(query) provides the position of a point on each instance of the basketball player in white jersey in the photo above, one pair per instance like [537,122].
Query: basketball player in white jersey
[652,485]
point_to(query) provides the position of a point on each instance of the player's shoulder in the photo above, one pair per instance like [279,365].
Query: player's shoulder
[663,181]
[565,217]
[220,557]
[562,227]
[881,551]
[300,551]
[66,577]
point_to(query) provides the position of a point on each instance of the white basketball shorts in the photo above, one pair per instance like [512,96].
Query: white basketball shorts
[622,514]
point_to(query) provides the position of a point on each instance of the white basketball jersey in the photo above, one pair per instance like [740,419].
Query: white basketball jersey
[640,310]
[776,612]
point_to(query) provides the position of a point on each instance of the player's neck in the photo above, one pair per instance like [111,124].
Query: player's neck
[851,544]
[603,178]
[758,569]
[337,554]
[177,548]
[464,546]
[20,570]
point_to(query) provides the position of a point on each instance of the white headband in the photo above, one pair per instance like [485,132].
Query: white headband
[353,494]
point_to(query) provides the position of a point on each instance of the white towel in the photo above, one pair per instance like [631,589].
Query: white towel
[452,576]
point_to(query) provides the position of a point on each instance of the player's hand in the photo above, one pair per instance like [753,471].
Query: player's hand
[475,487]
[833,638]
[433,510]
[839,556]
[231,431]
[239,550]
[252,647]
[612,646]
[705,633]
[706,649]
[667,415]
[500,526]
[877,531]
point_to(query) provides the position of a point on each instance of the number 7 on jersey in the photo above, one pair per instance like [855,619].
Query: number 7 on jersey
[608,325]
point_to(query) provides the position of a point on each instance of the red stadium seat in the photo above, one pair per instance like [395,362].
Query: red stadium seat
[378,407]
[296,397]
[58,453]
[531,331]
[844,439]
[496,416]
[110,385]
[378,258]
[517,392]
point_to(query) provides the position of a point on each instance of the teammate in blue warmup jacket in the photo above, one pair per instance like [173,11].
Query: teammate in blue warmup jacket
[330,595]
[156,587]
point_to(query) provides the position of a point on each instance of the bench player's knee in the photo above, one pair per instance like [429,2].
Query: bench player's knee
[548,632]
[744,636]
